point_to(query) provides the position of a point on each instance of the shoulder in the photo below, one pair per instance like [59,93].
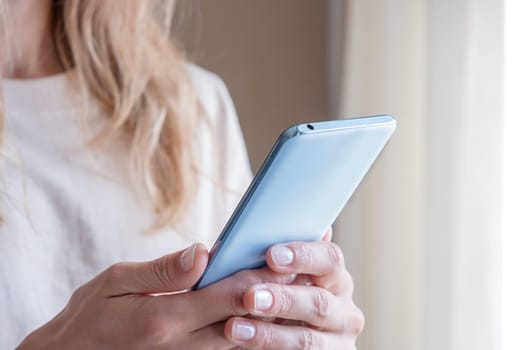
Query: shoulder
[224,167]
[221,129]
[203,79]
[212,93]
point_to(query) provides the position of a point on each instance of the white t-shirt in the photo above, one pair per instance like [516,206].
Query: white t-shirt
[70,213]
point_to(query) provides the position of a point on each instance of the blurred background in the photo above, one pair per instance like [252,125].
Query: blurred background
[422,235]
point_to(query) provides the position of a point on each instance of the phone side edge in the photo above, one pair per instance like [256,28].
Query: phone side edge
[286,135]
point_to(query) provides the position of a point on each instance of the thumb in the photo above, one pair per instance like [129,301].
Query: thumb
[170,273]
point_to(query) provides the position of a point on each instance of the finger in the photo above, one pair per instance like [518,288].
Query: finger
[170,273]
[322,260]
[216,302]
[316,306]
[254,334]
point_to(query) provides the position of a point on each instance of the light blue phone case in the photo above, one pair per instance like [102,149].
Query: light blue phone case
[299,191]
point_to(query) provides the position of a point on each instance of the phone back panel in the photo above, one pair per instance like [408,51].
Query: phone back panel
[306,180]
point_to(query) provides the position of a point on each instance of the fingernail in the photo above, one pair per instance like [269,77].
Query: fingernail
[263,299]
[282,255]
[187,257]
[243,330]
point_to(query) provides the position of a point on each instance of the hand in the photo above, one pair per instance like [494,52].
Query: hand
[323,314]
[117,310]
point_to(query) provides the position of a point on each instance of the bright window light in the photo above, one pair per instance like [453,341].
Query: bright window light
[513,249]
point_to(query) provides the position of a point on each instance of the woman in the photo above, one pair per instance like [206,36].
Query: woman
[116,149]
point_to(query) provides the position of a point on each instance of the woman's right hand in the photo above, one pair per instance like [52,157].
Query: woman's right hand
[116,308]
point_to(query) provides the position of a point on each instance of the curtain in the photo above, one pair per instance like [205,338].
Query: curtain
[422,233]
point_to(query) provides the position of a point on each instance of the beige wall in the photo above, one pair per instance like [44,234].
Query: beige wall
[272,55]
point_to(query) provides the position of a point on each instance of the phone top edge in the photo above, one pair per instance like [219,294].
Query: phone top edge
[341,124]
[287,135]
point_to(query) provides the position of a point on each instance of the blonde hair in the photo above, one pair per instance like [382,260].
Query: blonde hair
[123,56]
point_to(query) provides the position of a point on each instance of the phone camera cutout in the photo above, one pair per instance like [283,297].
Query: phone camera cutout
[310,126]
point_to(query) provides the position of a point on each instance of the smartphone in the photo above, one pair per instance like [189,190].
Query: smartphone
[307,178]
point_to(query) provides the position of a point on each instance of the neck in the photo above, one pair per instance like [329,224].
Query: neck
[32,54]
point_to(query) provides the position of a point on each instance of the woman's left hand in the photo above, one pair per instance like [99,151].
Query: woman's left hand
[322,312]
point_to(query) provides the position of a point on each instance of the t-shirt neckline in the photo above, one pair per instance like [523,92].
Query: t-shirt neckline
[48,94]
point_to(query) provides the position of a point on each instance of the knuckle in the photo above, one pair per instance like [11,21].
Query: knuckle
[152,330]
[162,272]
[284,300]
[79,294]
[335,255]
[356,322]
[268,339]
[116,272]
[146,326]
[305,256]
[321,304]
[309,340]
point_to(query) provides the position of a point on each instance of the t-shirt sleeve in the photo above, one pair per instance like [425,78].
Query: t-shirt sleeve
[224,164]
[234,169]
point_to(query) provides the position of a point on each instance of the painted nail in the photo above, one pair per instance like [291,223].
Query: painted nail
[263,299]
[243,330]
[187,258]
[282,255]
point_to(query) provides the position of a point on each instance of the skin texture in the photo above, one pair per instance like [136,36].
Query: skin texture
[116,308]
[311,309]
[315,313]
[303,304]
[31,47]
